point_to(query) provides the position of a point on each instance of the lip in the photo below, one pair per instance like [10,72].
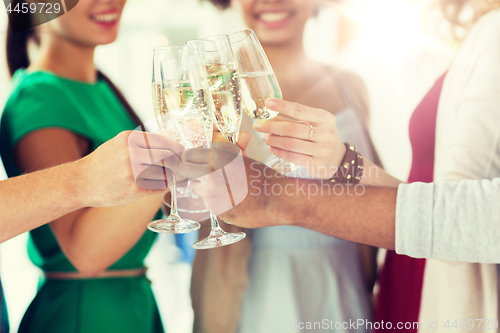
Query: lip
[107,18]
[273,19]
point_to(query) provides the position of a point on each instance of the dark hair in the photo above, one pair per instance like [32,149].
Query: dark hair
[221,4]
[18,57]
[17,42]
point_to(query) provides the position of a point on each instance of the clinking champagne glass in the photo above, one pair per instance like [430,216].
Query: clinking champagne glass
[216,55]
[171,57]
[258,83]
[214,58]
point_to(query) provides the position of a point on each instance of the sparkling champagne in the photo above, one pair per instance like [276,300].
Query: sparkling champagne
[161,113]
[256,88]
[190,114]
[224,83]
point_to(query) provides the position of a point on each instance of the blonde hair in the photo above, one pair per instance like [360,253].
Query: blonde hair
[453,11]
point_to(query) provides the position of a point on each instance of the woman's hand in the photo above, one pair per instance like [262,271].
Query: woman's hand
[310,139]
[243,140]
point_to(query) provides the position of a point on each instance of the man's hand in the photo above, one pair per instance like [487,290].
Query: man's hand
[219,173]
[130,166]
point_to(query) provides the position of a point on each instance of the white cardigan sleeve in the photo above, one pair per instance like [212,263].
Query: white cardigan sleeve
[451,221]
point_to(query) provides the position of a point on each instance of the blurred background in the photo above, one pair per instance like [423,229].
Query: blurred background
[398,47]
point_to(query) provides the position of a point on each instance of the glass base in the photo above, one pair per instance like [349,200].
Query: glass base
[218,239]
[173,225]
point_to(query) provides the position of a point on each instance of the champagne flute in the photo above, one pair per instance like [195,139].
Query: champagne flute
[215,54]
[170,56]
[258,83]
[214,59]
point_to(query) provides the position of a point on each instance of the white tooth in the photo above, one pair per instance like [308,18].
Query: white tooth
[273,17]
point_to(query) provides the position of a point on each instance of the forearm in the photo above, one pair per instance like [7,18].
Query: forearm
[95,238]
[374,175]
[31,200]
[360,214]
[367,217]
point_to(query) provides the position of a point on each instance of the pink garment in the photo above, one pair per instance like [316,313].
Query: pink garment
[401,277]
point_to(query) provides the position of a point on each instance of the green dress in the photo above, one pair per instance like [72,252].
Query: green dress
[42,100]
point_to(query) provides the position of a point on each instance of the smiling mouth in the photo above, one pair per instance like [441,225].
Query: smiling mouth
[274,17]
[105,18]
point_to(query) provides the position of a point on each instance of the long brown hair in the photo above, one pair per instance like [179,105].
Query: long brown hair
[18,57]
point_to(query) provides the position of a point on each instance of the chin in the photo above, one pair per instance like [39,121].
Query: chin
[104,40]
[275,38]
[109,41]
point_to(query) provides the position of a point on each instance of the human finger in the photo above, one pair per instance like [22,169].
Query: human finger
[284,128]
[196,155]
[292,144]
[296,158]
[142,159]
[151,184]
[154,172]
[150,140]
[296,111]
[194,170]
[243,140]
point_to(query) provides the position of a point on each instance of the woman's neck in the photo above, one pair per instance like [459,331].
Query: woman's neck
[67,59]
[287,60]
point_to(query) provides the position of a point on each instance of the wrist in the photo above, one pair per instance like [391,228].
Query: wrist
[75,183]
[338,158]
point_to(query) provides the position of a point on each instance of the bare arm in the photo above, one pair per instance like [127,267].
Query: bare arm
[420,220]
[363,214]
[335,211]
[102,179]
[46,195]
[92,238]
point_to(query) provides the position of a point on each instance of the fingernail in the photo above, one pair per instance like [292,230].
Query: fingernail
[256,125]
[264,137]
[271,103]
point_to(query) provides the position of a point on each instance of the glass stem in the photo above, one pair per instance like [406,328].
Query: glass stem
[173,198]
[234,138]
[215,224]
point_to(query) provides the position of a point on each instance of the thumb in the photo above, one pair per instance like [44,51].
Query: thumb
[243,140]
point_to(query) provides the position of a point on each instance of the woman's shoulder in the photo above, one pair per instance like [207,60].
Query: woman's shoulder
[37,100]
[37,81]
[484,35]
[352,87]
[489,21]
[34,89]
[346,77]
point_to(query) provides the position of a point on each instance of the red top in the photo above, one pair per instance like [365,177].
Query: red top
[401,277]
